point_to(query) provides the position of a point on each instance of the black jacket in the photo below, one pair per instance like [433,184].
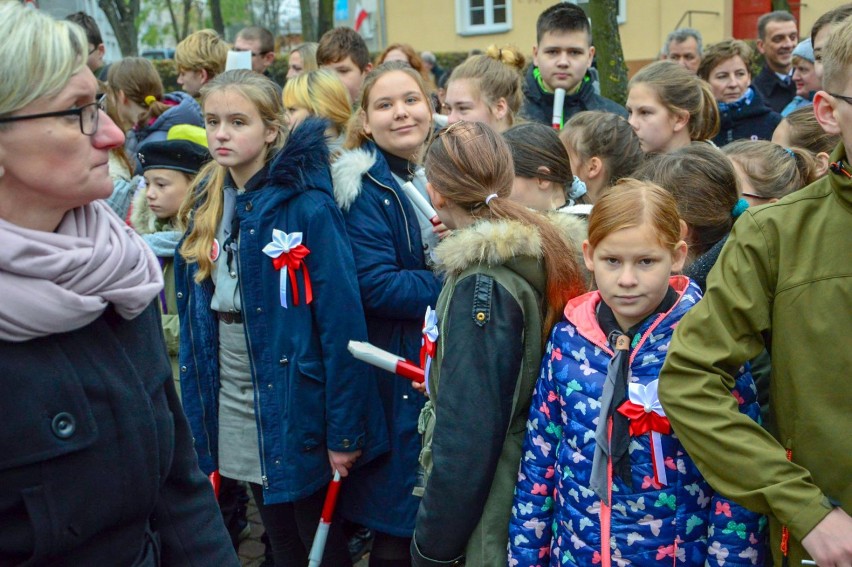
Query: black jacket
[746,120]
[538,105]
[96,459]
[776,94]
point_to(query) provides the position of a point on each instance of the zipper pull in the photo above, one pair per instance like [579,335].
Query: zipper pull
[265,481]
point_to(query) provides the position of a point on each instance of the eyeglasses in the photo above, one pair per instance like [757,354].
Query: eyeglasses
[93,49]
[88,115]
[846,99]
[753,196]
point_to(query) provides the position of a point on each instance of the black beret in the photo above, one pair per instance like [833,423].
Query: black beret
[180,155]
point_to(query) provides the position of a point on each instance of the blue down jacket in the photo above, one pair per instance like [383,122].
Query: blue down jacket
[558,520]
[396,287]
[310,394]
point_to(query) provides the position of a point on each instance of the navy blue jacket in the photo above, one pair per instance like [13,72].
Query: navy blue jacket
[96,459]
[186,111]
[746,119]
[310,394]
[538,105]
[773,90]
[396,287]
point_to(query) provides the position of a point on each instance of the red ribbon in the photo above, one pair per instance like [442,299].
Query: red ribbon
[642,421]
[426,350]
[292,261]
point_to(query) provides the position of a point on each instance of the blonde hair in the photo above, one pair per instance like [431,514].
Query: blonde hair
[203,49]
[308,52]
[202,211]
[322,93]
[680,91]
[355,134]
[467,163]
[773,171]
[40,55]
[137,78]
[837,57]
[493,75]
[804,131]
[632,203]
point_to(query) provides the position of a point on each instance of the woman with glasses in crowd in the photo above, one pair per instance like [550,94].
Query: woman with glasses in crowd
[96,458]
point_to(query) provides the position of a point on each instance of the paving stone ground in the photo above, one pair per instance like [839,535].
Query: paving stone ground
[251,548]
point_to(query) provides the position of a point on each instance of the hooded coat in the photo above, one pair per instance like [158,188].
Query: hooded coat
[490,316]
[186,110]
[396,287]
[538,105]
[311,396]
[558,520]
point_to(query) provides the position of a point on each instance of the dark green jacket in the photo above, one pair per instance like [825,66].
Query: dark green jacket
[488,355]
[785,273]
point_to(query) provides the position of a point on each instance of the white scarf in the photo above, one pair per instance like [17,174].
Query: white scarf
[55,282]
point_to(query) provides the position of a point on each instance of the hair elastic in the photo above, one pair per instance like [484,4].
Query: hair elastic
[790,152]
[739,208]
[490,197]
[150,99]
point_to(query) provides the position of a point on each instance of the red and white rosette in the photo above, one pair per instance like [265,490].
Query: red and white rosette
[287,253]
[646,415]
[428,343]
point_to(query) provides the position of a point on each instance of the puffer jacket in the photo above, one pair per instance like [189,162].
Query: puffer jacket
[558,520]
[186,110]
[396,287]
[310,394]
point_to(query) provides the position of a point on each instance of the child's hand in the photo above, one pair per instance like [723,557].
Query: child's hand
[342,462]
[420,387]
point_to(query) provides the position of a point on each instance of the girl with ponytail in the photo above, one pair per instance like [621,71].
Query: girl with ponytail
[508,273]
[145,112]
[669,107]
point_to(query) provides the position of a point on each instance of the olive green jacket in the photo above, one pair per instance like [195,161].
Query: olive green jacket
[504,259]
[785,273]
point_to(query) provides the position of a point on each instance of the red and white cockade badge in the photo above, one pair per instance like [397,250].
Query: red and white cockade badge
[287,252]
[646,415]
[428,343]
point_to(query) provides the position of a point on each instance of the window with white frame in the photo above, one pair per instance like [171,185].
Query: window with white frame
[622,9]
[474,17]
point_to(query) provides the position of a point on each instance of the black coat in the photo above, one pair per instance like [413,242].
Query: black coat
[776,94]
[538,105]
[96,458]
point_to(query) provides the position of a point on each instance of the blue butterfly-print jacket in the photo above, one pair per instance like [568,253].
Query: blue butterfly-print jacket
[558,520]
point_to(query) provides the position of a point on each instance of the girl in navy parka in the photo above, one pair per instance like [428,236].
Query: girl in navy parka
[268,300]
[383,143]
[604,479]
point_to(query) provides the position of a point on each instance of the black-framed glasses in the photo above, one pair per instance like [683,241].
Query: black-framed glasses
[88,115]
[93,49]
[846,99]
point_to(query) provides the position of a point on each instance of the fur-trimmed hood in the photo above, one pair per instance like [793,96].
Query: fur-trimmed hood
[142,218]
[496,242]
[348,172]
[303,161]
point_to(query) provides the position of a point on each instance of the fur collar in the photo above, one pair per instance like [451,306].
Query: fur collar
[142,218]
[347,172]
[497,242]
[304,155]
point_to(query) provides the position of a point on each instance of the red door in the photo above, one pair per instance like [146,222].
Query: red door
[746,13]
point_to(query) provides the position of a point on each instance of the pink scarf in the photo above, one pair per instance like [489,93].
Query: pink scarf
[55,282]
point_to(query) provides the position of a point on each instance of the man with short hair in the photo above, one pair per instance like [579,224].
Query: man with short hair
[345,52]
[261,44]
[777,37]
[685,47]
[96,48]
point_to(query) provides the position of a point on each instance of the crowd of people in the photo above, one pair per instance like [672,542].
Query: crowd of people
[630,319]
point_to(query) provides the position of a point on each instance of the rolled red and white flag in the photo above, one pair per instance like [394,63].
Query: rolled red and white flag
[386,361]
[420,202]
[558,108]
[318,546]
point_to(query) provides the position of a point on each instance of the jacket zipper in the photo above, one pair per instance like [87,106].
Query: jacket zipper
[401,208]
[263,477]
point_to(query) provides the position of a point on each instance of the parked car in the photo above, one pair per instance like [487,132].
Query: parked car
[166,53]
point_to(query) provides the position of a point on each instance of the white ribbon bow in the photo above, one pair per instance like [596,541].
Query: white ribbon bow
[282,243]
